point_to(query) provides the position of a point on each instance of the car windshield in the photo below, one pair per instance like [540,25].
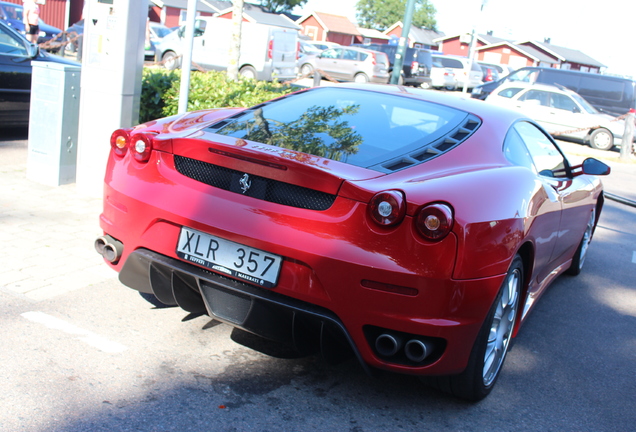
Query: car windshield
[361,128]
[585,104]
[161,31]
[12,44]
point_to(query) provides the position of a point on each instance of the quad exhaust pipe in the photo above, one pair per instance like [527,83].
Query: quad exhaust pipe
[415,350]
[109,248]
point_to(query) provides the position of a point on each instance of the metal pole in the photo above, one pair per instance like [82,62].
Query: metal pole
[628,136]
[401,49]
[235,46]
[471,50]
[186,60]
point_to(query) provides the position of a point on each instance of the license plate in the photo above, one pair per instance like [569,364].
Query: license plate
[234,259]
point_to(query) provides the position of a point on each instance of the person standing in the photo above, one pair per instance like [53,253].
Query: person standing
[31,17]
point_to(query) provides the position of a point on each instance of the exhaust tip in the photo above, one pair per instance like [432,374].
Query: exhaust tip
[387,345]
[417,350]
[100,243]
[109,248]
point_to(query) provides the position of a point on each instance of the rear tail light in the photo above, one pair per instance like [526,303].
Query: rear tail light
[414,66]
[387,208]
[119,142]
[270,49]
[141,147]
[297,50]
[373,59]
[435,221]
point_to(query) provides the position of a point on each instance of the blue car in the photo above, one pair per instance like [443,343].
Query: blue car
[11,13]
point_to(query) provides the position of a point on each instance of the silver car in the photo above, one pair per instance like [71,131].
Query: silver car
[464,73]
[561,112]
[348,64]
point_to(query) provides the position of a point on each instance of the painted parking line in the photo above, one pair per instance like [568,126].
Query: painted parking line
[88,337]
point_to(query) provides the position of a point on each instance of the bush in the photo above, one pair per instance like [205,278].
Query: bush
[160,92]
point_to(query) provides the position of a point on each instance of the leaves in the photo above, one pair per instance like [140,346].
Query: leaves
[160,92]
[381,14]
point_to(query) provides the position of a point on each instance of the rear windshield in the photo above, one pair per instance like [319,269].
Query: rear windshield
[362,128]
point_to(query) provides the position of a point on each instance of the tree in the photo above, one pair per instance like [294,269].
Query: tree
[280,6]
[381,14]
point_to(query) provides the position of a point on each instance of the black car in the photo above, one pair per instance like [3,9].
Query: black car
[609,94]
[416,69]
[16,55]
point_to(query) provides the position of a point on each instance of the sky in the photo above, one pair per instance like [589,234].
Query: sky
[604,30]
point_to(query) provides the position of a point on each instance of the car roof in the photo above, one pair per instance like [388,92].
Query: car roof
[536,86]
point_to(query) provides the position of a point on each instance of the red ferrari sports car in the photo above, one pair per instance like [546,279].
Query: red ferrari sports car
[409,228]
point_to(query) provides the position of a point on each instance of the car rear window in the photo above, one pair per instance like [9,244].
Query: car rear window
[358,127]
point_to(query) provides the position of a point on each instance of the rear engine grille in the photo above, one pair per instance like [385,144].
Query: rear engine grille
[260,187]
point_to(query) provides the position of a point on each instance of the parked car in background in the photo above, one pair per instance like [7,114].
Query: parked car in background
[16,58]
[308,48]
[561,112]
[348,64]
[501,69]
[465,72]
[405,228]
[157,32]
[268,52]
[489,73]
[417,65]
[608,94]
[323,45]
[11,13]
[442,77]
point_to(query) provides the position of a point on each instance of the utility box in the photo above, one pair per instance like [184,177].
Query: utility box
[53,123]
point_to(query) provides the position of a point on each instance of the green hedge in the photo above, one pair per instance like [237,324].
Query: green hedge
[160,92]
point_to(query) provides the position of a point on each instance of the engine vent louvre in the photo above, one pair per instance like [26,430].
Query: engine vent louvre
[433,149]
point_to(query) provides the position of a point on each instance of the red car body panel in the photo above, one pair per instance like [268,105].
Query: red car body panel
[500,209]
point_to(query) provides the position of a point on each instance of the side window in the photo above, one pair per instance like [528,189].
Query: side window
[547,158]
[331,53]
[350,55]
[563,102]
[516,151]
[509,92]
[568,80]
[536,95]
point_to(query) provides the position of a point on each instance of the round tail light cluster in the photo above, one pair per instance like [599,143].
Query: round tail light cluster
[434,221]
[139,144]
[387,208]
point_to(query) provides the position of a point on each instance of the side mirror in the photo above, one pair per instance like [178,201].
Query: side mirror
[33,50]
[593,166]
[576,110]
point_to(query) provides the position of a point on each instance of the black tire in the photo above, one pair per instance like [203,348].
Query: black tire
[307,70]
[581,252]
[170,60]
[488,354]
[361,78]
[248,72]
[601,139]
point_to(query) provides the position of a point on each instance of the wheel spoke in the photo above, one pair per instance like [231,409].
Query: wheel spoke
[501,327]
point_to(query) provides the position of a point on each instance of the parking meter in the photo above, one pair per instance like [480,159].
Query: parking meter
[112,63]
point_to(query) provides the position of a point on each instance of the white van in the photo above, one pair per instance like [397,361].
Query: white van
[267,52]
